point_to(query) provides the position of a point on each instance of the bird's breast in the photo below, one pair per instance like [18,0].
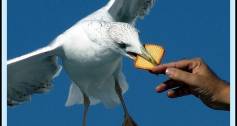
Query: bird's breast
[84,59]
[91,65]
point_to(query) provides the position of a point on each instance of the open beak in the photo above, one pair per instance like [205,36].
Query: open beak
[147,56]
[144,54]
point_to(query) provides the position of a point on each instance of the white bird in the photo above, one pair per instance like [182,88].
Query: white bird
[91,52]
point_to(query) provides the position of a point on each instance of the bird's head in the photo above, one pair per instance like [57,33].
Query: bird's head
[127,41]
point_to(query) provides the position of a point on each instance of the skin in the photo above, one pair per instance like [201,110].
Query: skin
[194,77]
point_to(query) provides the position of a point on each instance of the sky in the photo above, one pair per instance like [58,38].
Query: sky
[185,28]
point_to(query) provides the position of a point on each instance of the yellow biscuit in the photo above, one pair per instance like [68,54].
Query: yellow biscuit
[155,51]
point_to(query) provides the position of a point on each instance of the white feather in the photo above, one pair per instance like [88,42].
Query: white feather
[89,54]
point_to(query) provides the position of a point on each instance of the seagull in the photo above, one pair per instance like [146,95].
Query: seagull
[91,52]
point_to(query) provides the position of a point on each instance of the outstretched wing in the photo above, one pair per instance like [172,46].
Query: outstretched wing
[31,73]
[129,10]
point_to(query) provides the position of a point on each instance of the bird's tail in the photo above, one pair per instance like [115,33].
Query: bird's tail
[76,97]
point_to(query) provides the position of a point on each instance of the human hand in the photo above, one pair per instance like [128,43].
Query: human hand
[194,77]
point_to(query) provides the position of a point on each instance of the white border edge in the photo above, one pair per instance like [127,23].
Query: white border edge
[232,62]
[4,62]
[4,59]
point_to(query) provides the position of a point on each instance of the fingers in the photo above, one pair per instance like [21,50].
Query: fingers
[179,92]
[175,89]
[182,64]
[160,69]
[169,84]
[182,76]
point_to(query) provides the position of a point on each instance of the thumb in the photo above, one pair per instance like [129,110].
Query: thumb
[180,75]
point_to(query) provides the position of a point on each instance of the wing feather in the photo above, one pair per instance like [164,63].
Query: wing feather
[31,73]
[129,10]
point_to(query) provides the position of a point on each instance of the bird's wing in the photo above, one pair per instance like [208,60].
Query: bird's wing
[129,10]
[31,73]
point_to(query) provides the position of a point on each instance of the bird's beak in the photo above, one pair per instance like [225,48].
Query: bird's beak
[144,54]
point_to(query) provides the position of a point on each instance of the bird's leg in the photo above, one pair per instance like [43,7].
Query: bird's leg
[86,107]
[128,121]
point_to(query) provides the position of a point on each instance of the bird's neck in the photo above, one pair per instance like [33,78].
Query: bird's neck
[120,10]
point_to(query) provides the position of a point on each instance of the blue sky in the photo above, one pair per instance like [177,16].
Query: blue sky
[185,28]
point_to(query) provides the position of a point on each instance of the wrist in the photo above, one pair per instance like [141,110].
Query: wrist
[222,97]
[225,94]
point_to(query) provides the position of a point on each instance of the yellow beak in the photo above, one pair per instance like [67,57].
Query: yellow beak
[147,56]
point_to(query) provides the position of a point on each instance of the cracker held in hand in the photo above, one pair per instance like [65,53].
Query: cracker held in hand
[155,51]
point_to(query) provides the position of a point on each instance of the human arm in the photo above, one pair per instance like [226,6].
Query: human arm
[194,77]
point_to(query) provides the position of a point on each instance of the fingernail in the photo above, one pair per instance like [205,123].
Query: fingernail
[158,89]
[171,94]
[169,72]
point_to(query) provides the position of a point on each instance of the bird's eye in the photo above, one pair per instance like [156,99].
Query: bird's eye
[122,45]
